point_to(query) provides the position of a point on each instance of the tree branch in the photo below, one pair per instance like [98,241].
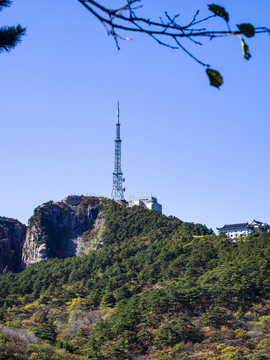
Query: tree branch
[167,31]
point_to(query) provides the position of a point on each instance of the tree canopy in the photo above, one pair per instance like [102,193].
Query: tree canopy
[159,288]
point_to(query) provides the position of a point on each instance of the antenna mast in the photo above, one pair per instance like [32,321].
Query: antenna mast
[118,190]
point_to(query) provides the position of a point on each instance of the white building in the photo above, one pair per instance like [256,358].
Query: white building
[243,229]
[148,202]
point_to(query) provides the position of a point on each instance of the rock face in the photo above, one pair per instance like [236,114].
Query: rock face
[64,229]
[12,236]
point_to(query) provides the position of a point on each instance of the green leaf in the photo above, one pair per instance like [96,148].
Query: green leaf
[245,49]
[214,77]
[247,29]
[219,11]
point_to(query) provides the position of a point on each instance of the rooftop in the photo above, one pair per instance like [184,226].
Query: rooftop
[234,226]
[143,198]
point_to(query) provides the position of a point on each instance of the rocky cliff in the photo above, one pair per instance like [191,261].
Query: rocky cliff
[63,229]
[12,236]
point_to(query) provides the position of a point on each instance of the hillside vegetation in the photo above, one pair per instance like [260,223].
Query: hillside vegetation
[159,288]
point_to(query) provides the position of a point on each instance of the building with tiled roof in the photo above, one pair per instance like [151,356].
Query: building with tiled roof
[243,229]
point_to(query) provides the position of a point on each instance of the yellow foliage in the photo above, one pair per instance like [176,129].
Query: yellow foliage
[239,333]
[264,345]
[55,312]
[30,307]
[229,353]
[27,323]
[109,313]
[221,346]
[34,356]
[149,313]
[265,321]
[76,303]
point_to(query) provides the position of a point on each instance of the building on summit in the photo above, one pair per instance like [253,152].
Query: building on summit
[243,229]
[148,202]
[73,200]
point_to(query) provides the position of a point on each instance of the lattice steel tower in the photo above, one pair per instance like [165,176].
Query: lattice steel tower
[118,190]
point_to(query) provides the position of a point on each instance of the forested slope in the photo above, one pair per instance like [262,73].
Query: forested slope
[159,288]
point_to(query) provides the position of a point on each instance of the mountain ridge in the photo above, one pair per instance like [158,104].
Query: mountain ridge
[66,228]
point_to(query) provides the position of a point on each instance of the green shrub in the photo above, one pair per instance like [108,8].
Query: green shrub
[215,316]
[46,332]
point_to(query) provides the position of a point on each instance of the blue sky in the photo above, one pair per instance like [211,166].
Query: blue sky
[203,152]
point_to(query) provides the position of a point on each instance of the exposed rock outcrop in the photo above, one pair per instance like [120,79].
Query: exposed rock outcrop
[64,229]
[12,236]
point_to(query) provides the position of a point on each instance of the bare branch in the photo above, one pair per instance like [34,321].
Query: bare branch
[166,32]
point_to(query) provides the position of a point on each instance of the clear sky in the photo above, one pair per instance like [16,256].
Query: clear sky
[203,152]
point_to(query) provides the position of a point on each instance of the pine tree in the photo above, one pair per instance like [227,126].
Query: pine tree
[10,36]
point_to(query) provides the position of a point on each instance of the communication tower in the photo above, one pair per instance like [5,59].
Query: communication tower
[118,190]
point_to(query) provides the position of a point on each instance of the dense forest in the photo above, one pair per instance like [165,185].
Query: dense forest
[159,288]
